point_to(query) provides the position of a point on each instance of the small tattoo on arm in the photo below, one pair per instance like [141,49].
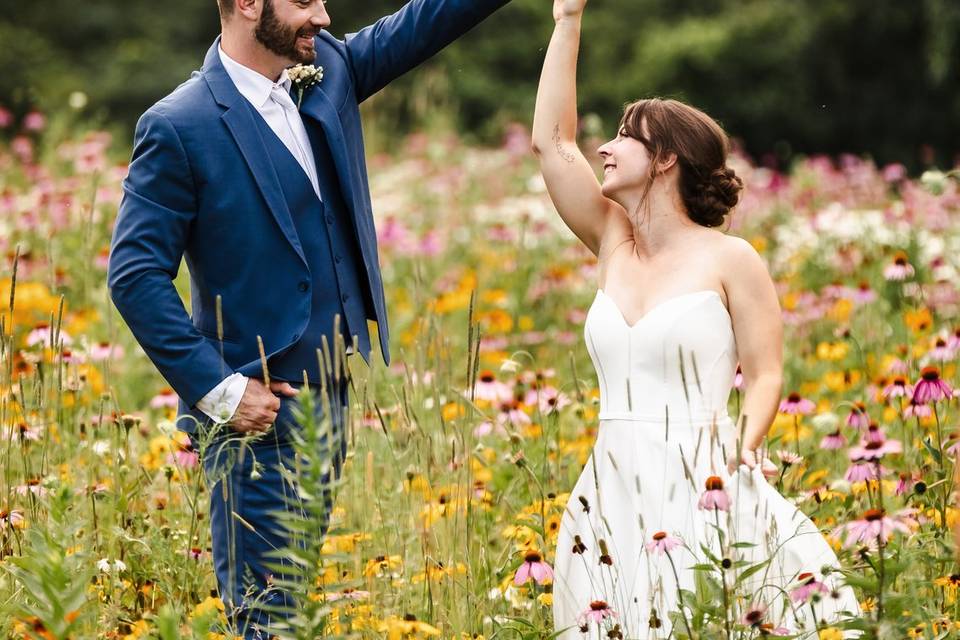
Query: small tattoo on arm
[566,155]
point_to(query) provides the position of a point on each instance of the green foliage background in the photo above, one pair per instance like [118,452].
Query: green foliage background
[785,76]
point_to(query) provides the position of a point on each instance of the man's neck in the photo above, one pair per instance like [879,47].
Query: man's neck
[251,54]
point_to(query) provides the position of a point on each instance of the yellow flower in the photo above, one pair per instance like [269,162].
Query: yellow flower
[383,565]
[209,606]
[545,599]
[830,633]
[832,350]
[840,311]
[918,321]
[406,627]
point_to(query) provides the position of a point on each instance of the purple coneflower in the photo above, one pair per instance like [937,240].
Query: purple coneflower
[897,388]
[905,483]
[807,586]
[738,379]
[930,388]
[533,567]
[663,543]
[874,433]
[490,389]
[858,416]
[864,294]
[875,449]
[598,611]
[166,398]
[876,525]
[900,269]
[754,616]
[788,457]
[834,440]
[347,594]
[941,351]
[917,409]
[793,404]
[714,497]
[862,470]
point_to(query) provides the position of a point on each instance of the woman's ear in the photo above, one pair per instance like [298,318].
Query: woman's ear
[667,163]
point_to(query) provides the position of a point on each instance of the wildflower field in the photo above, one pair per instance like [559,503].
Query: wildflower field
[463,451]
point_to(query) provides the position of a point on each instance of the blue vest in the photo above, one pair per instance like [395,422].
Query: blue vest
[338,282]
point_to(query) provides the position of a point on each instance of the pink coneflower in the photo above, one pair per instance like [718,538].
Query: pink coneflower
[548,399]
[753,617]
[788,458]
[184,456]
[6,118]
[738,379]
[511,413]
[195,553]
[917,410]
[104,351]
[533,567]
[166,398]
[33,485]
[490,389]
[863,470]
[34,121]
[663,543]
[905,483]
[930,388]
[347,594]
[874,433]
[894,172]
[941,351]
[864,294]
[597,612]
[714,497]
[13,518]
[41,335]
[834,440]
[953,340]
[793,404]
[807,586]
[897,388]
[858,416]
[487,427]
[875,449]
[899,269]
[874,525]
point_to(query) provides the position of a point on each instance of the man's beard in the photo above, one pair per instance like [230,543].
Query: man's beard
[279,38]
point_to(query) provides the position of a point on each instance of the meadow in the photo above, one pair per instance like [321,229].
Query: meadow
[463,451]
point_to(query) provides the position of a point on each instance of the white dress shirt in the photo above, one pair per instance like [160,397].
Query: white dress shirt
[273,102]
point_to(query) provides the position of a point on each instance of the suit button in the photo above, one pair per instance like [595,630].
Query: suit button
[303,286]
[329,219]
[345,297]
[338,258]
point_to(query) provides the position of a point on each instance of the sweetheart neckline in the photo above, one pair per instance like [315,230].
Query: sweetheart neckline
[650,311]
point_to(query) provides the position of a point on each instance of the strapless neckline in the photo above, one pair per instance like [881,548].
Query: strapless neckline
[659,305]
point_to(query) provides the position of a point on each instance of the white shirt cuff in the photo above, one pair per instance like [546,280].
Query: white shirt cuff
[222,401]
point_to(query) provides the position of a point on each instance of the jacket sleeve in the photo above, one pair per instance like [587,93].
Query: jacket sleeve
[399,42]
[156,211]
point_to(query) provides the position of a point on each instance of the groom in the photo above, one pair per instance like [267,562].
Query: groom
[262,185]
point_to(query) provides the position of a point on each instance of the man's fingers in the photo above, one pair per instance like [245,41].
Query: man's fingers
[283,387]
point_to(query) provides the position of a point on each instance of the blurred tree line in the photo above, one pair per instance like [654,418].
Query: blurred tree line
[784,76]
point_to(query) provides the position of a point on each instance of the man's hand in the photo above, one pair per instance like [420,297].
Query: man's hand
[567,8]
[258,408]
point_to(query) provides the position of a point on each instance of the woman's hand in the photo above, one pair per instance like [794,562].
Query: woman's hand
[567,8]
[752,458]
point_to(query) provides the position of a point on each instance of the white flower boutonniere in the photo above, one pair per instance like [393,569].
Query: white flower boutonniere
[303,77]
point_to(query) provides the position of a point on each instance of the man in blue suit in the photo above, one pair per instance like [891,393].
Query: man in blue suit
[262,185]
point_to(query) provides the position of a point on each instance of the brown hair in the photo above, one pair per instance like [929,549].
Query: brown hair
[708,187]
[226,7]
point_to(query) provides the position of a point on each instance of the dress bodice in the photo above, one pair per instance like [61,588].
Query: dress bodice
[678,360]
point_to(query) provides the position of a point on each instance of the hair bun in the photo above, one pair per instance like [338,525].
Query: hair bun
[714,197]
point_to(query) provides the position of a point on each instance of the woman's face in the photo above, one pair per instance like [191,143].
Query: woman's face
[626,165]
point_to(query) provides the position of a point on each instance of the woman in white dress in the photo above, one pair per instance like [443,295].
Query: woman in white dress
[673,481]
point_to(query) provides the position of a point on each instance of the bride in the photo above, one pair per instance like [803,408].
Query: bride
[672,515]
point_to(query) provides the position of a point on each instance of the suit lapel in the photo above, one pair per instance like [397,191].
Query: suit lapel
[239,118]
[318,107]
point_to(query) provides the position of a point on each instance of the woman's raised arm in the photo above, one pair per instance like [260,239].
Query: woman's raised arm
[570,179]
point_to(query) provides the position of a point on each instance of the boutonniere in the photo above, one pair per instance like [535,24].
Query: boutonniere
[303,77]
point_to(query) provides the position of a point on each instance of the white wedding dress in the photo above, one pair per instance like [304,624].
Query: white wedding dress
[664,429]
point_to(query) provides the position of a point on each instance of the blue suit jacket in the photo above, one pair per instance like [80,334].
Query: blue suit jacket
[200,185]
